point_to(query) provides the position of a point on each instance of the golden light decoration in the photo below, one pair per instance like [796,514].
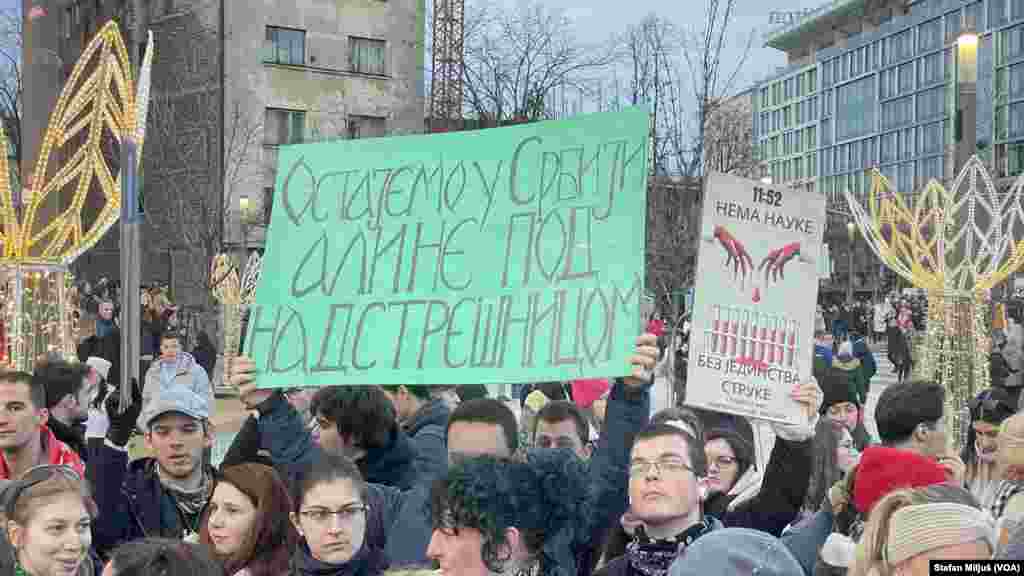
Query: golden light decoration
[75,193]
[957,244]
[235,292]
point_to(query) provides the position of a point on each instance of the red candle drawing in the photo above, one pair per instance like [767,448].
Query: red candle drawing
[734,329]
[714,331]
[792,343]
[781,342]
[762,348]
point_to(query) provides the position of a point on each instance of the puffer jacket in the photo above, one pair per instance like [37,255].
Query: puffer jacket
[426,432]
[182,370]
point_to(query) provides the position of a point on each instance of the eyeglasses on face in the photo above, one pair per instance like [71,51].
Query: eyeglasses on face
[347,515]
[666,465]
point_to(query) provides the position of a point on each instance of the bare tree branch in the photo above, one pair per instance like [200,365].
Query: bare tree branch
[515,62]
[11,90]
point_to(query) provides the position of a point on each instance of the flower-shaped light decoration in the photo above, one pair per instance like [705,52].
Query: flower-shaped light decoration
[74,194]
[957,244]
[235,292]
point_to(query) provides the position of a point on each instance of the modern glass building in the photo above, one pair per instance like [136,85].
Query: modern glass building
[873,83]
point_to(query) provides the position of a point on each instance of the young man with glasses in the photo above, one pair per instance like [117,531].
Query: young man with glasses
[25,439]
[668,484]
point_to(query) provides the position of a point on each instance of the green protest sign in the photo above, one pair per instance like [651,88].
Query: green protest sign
[506,255]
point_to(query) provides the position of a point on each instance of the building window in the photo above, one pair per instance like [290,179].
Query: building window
[285,46]
[929,35]
[282,127]
[1016,117]
[930,138]
[1012,45]
[974,14]
[931,104]
[1016,80]
[953,26]
[68,22]
[366,127]
[996,13]
[366,55]
[930,69]
[858,104]
[901,46]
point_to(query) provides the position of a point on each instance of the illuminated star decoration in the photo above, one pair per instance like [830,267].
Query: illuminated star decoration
[75,193]
[957,244]
[235,293]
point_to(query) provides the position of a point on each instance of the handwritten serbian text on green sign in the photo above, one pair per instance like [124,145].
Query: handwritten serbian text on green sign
[506,255]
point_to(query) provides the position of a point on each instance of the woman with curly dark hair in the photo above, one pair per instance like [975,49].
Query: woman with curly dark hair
[495,516]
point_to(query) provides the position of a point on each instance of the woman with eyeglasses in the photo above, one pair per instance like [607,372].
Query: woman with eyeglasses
[161,557]
[247,527]
[335,521]
[731,469]
[48,516]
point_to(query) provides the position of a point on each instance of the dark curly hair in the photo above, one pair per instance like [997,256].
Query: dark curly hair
[540,497]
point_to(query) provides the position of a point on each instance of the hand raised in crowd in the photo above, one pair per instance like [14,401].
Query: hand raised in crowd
[243,378]
[954,466]
[122,423]
[809,395]
[643,360]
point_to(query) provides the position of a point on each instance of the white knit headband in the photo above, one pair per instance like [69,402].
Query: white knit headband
[917,529]
[680,425]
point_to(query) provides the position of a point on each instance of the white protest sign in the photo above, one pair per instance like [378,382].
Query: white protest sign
[752,336]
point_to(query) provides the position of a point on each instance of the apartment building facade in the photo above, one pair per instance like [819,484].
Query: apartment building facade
[232,82]
[873,83]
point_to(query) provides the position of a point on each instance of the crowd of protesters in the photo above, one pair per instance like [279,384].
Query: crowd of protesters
[582,479]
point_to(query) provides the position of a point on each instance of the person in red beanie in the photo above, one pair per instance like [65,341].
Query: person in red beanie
[913,454]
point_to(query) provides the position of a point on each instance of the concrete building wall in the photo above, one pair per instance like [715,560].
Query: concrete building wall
[325,87]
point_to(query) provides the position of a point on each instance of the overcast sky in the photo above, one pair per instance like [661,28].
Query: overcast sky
[599,19]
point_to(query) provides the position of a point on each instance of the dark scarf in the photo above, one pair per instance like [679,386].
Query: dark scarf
[364,563]
[654,557]
[190,504]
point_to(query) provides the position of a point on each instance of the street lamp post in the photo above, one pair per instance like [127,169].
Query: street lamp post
[966,94]
[851,234]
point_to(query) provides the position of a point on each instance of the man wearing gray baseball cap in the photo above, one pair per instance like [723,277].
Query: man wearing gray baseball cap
[163,495]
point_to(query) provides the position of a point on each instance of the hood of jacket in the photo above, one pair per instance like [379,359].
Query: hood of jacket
[746,488]
[184,362]
[391,465]
[366,562]
[433,413]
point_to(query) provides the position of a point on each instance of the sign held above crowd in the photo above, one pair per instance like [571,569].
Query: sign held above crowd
[505,255]
[753,321]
